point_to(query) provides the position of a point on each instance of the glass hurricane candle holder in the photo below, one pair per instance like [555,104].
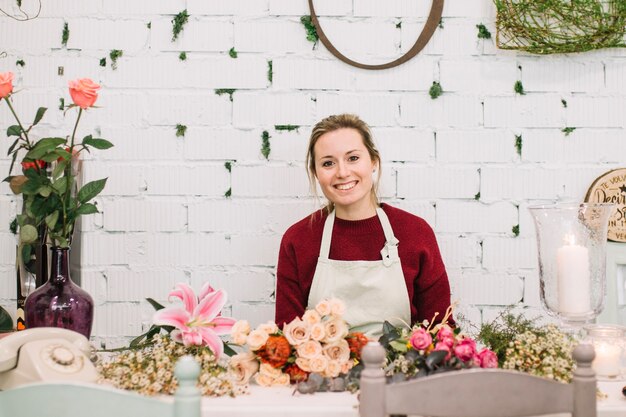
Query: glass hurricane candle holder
[609,342]
[571,243]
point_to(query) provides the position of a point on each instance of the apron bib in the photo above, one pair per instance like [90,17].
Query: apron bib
[373,291]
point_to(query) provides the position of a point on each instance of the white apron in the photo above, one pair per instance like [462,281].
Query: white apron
[373,291]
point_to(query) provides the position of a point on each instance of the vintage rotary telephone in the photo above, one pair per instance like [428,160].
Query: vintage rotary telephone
[44,354]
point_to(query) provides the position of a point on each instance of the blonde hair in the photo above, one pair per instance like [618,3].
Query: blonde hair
[336,122]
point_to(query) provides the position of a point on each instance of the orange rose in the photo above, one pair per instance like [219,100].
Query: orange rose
[357,341]
[276,351]
[6,84]
[83,92]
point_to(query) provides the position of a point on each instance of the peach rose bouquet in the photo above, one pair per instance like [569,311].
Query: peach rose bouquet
[48,182]
[316,347]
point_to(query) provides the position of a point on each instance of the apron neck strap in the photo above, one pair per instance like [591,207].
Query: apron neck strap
[384,221]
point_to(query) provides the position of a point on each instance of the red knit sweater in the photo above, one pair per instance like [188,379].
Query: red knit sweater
[424,271]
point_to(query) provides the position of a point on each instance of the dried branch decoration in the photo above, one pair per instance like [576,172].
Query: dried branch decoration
[558,26]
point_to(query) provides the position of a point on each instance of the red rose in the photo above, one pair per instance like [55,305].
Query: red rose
[296,374]
[33,164]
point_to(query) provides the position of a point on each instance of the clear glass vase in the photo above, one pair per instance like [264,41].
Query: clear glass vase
[60,302]
[571,243]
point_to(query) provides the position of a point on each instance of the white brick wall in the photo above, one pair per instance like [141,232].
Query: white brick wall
[453,161]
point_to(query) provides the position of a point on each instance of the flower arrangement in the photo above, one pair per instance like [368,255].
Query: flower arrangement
[425,349]
[193,329]
[150,370]
[522,345]
[310,350]
[51,196]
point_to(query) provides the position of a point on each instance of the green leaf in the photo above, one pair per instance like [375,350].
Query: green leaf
[97,143]
[44,190]
[91,189]
[31,186]
[398,346]
[14,130]
[86,208]
[51,219]
[435,358]
[43,147]
[13,146]
[28,233]
[60,185]
[157,306]
[228,351]
[58,170]
[27,250]
[6,322]
[40,112]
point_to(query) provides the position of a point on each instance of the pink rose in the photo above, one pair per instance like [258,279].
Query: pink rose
[6,84]
[446,335]
[444,347]
[487,358]
[83,92]
[421,339]
[465,350]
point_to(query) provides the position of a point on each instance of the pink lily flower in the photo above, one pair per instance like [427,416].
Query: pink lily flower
[199,322]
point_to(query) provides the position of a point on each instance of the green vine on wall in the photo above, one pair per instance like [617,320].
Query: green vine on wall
[114,55]
[180,130]
[483,32]
[518,144]
[435,90]
[519,88]
[265,144]
[557,26]
[270,71]
[20,62]
[311,32]
[65,36]
[178,23]
[228,91]
[232,52]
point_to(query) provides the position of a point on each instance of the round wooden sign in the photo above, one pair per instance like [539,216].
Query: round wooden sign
[611,188]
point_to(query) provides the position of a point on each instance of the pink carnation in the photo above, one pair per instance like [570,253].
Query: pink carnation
[421,339]
[465,350]
[446,336]
[487,358]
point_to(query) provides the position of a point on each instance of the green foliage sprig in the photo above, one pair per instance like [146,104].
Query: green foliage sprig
[519,88]
[515,230]
[270,71]
[178,22]
[483,32]
[518,144]
[20,62]
[556,26]
[311,32]
[65,36]
[568,130]
[180,130]
[265,144]
[114,55]
[103,62]
[288,128]
[499,333]
[232,52]
[435,90]
[182,56]
[229,91]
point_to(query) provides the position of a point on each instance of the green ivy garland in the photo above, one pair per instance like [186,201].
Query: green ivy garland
[557,26]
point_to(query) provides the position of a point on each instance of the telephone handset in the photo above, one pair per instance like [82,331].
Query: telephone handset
[45,354]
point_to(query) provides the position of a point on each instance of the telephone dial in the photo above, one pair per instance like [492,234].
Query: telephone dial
[45,354]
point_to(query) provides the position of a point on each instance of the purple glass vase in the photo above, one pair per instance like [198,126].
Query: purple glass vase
[60,302]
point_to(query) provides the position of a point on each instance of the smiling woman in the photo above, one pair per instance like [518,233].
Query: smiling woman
[383,262]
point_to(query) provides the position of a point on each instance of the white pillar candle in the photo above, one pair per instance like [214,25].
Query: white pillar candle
[608,359]
[573,278]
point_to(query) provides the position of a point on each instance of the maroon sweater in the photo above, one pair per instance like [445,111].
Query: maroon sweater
[424,271]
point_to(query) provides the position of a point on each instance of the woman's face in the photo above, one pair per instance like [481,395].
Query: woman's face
[343,167]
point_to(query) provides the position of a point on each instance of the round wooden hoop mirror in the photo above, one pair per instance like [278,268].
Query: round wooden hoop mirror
[431,25]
